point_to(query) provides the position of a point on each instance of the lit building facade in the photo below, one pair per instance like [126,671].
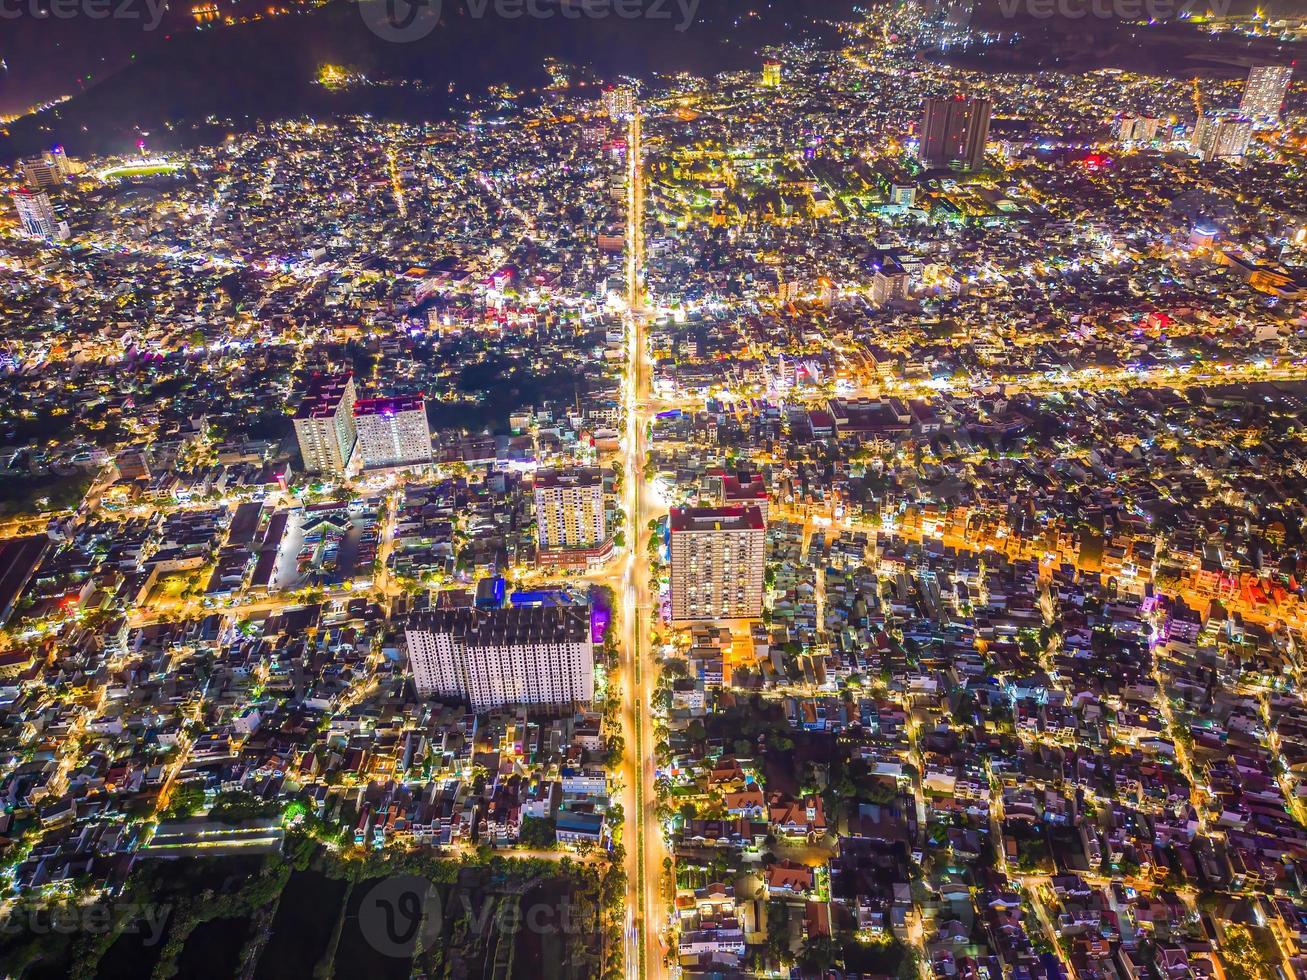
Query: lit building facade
[392,431]
[491,658]
[324,425]
[569,507]
[1221,137]
[1133,128]
[954,131]
[619,101]
[49,169]
[37,215]
[1263,93]
[719,557]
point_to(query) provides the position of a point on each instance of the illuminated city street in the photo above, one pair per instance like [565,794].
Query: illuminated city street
[808,491]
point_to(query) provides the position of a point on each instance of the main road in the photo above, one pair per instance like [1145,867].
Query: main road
[645,850]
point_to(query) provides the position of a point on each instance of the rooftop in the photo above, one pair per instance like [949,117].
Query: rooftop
[323,396]
[583,477]
[716,519]
[389,406]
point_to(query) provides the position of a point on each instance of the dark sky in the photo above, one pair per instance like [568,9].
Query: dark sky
[48,57]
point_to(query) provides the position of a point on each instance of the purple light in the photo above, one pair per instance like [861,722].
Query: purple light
[599,620]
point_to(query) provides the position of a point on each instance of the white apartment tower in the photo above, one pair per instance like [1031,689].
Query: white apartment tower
[492,658]
[37,215]
[1263,93]
[619,102]
[49,169]
[570,508]
[324,425]
[1132,128]
[1221,137]
[719,557]
[392,431]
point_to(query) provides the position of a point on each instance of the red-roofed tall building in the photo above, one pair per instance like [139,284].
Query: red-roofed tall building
[324,425]
[719,556]
[745,489]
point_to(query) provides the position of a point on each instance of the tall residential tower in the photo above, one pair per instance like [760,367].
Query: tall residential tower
[1221,136]
[541,655]
[569,508]
[954,131]
[37,215]
[324,425]
[1263,93]
[392,431]
[719,556]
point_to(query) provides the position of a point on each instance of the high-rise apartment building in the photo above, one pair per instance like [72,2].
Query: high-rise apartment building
[570,508]
[1221,137]
[392,431]
[48,169]
[324,425]
[535,655]
[889,280]
[975,133]
[619,101]
[719,557]
[1263,93]
[37,215]
[934,138]
[745,489]
[40,172]
[954,131]
[1133,128]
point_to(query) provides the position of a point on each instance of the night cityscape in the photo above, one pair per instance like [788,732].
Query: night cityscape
[638,489]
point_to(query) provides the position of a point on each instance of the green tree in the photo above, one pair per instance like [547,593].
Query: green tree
[818,955]
[186,799]
[538,833]
[238,806]
[778,929]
